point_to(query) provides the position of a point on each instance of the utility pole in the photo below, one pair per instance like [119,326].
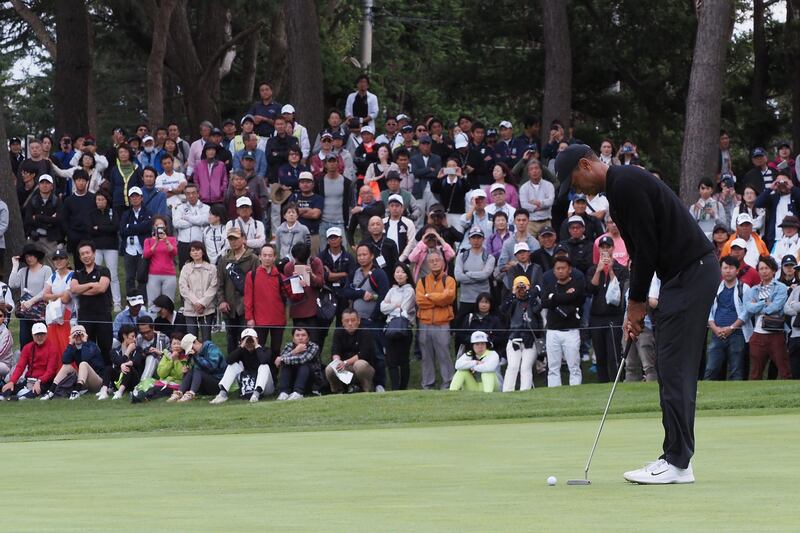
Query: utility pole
[366,36]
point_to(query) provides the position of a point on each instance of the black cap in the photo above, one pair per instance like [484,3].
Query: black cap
[249,155]
[566,161]
[425,139]
[547,229]
[216,131]
[407,129]
[605,240]
[491,132]
[228,121]
[561,248]
[721,227]
[14,140]
[580,198]
[788,259]
[783,143]
[60,253]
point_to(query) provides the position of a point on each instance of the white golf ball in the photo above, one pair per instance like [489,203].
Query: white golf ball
[551,480]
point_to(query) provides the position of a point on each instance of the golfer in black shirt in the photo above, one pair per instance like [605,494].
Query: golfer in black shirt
[661,238]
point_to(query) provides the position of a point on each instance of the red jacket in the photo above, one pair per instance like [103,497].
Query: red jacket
[264,302]
[42,362]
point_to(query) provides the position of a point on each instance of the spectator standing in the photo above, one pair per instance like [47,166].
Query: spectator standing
[125,175]
[311,273]
[30,279]
[747,274]
[475,216]
[3,230]
[197,150]
[789,243]
[435,295]
[564,301]
[499,204]
[190,219]
[91,284]
[338,265]
[290,232]
[753,245]
[265,110]
[135,227]
[253,231]
[264,308]
[429,242]
[56,288]
[641,362]
[384,250]
[759,177]
[400,302]
[607,282]
[473,271]
[452,188]
[198,287]
[521,235]
[211,176]
[104,233]
[768,342]
[730,327]
[398,228]
[522,307]
[337,194]
[251,160]
[215,236]
[544,255]
[368,207]
[620,253]
[239,189]
[76,212]
[309,208]
[171,182]
[278,146]
[231,270]
[361,103]
[779,199]
[43,216]
[160,250]
[319,159]
[537,196]
[154,200]
[593,228]
[792,309]
[748,205]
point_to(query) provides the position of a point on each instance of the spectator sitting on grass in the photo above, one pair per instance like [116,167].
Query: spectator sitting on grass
[152,343]
[479,361]
[205,369]
[82,357]
[128,360]
[353,351]
[172,366]
[294,364]
[38,362]
[249,365]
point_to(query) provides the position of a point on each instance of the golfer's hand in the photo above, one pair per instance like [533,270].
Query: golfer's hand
[635,323]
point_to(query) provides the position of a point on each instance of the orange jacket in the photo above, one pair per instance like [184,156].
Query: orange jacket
[762,248]
[435,299]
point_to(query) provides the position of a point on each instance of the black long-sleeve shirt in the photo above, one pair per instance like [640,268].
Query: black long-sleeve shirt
[659,233]
[360,343]
[564,306]
[250,359]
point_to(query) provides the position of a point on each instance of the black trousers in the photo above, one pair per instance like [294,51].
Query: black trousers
[397,360]
[605,341]
[293,378]
[682,317]
[99,330]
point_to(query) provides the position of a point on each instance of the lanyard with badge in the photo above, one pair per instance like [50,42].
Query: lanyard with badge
[379,260]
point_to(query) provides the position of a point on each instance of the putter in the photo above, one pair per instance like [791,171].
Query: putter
[585,480]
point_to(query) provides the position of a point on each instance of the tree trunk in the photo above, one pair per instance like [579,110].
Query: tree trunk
[758,90]
[699,157]
[250,64]
[305,63]
[15,236]
[557,66]
[277,65]
[155,62]
[793,52]
[73,68]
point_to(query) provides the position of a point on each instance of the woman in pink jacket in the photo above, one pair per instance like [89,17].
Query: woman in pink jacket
[161,250]
[211,176]
[431,241]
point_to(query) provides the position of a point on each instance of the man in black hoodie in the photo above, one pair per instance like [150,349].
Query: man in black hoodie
[650,216]
[76,214]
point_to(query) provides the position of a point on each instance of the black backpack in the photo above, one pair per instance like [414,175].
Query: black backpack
[237,276]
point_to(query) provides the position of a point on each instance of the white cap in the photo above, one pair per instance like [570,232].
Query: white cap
[478,336]
[147,139]
[741,243]
[479,193]
[505,124]
[135,300]
[369,127]
[305,175]
[46,177]
[402,116]
[461,141]
[187,343]
[39,327]
[135,190]
[288,108]
[744,218]
[244,201]
[521,247]
[395,198]
[334,231]
[576,219]
[249,332]
[497,187]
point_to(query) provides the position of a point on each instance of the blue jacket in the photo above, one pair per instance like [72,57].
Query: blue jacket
[132,227]
[155,202]
[125,317]
[153,159]
[210,360]
[89,353]
[769,199]
[261,162]
[755,306]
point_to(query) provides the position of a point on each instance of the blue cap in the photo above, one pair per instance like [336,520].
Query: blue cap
[758,152]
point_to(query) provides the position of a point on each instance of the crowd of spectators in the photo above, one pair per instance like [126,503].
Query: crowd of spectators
[408,239]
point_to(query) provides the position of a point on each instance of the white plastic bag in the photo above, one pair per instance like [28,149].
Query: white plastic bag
[54,312]
[613,292]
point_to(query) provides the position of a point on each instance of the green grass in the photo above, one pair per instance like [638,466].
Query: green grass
[88,418]
[456,478]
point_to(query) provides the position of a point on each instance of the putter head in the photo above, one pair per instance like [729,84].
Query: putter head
[578,482]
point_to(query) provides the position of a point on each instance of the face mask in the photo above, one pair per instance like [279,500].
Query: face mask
[149,149]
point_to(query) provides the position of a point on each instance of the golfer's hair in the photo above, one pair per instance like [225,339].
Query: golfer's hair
[769,261]
[730,261]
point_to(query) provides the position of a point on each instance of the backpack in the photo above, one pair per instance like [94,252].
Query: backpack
[465,256]
[237,276]
[326,304]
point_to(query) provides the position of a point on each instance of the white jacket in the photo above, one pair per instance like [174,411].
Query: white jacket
[190,221]
[216,241]
[786,246]
[198,285]
[488,363]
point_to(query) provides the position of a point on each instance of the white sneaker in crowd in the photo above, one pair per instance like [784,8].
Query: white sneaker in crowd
[117,395]
[47,396]
[283,396]
[660,473]
[295,396]
[117,308]
[379,388]
[255,397]
[222,397]
[74,395]
[103,394]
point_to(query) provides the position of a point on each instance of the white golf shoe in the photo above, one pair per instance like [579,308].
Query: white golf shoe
[660,473]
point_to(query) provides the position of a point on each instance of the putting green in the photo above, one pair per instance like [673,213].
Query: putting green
[455,478]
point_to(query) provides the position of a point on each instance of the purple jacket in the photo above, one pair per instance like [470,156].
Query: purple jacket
[212,185]
[494,244]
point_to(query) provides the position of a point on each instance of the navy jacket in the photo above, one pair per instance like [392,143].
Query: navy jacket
[769,199]
[129,226]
